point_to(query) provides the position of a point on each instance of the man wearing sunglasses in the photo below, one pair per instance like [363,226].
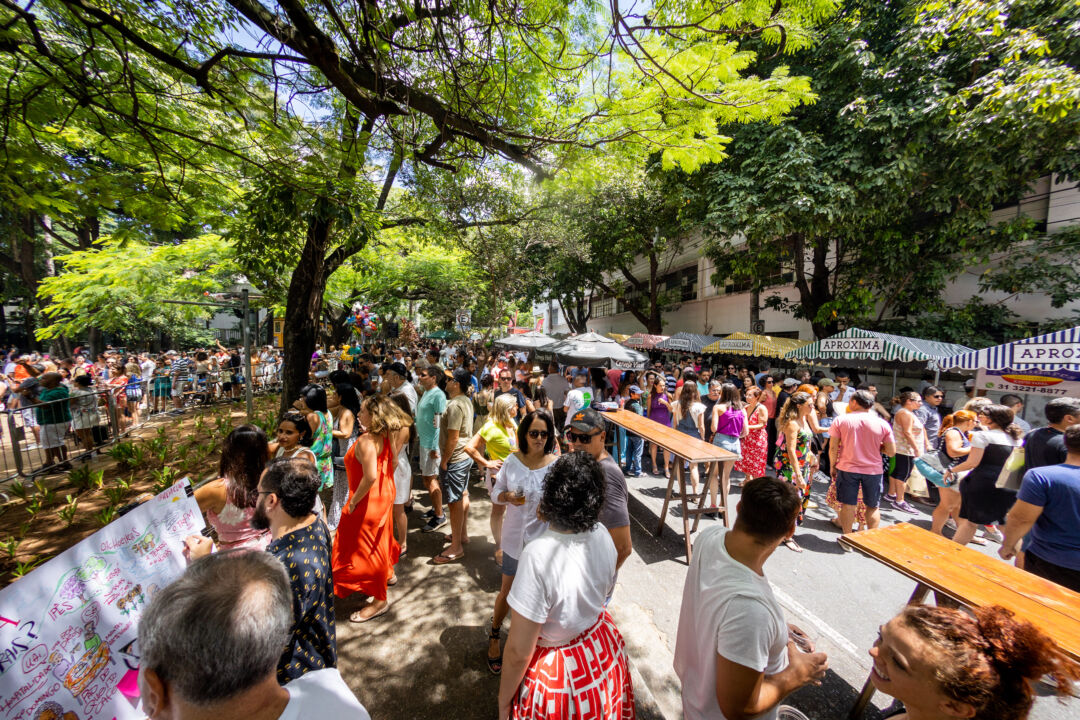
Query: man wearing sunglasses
[587,432]
[506,385]
[930,416]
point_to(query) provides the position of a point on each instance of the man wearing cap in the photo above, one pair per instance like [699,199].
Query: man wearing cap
[396,380]
[454,468]
[587,432]
[969,393]
[581,396]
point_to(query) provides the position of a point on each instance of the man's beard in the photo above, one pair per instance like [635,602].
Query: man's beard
[259,519]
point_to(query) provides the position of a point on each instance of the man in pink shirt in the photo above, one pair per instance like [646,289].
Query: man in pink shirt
[859,439]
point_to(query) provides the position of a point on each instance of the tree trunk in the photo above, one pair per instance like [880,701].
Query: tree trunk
[303,307]
[28,276]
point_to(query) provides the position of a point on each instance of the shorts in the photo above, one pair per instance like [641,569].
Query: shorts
[729,443]
[454,481]
[849,483]
[84,419]
[178,388]
[429,467]
[509,565]
[902,467]
[52,435]
[28,418]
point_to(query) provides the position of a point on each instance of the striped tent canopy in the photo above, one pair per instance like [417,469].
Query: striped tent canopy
[1053,351]
[643,341]
[618,337]
[686,342]
[741,343]
[871,346]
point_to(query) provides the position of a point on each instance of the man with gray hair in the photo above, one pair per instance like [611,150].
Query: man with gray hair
[210,643]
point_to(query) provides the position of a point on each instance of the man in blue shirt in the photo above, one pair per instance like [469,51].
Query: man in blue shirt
[1048,505]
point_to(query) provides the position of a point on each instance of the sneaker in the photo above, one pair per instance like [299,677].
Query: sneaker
[906,507]
[993,534]
[434,524]
[951,524]
[890,498]
[786,712]
[427,515]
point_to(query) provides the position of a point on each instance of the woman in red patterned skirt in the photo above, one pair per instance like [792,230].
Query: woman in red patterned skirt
[755,444]
[564,657]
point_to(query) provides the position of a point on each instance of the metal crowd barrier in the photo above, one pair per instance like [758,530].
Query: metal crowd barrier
[116,412]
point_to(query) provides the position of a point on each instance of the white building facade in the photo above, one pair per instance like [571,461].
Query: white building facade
[722,309]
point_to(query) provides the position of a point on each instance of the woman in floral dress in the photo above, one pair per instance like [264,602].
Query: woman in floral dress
[794,460]
[755,445]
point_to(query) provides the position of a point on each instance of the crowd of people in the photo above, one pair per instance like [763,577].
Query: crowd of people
[63,402]
[331,493]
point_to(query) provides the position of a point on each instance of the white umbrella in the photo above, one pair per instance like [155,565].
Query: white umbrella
[593,350]
[525,341]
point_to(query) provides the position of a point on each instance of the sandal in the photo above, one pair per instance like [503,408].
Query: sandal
[792,545]
[494,663]
[444,559]
[357,617]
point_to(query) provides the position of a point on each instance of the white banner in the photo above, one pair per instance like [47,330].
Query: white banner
[734,345]
[863,346]
[1049,383]
[68,629]
[676,344]
[1035,353]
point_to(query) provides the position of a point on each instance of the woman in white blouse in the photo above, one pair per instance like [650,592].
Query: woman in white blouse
[519,485]
[563,580]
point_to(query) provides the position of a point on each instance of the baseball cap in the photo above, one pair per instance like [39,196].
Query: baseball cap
[790,382]
[969,383]
[635,390]
[825,382]
[399,369]
[587,420]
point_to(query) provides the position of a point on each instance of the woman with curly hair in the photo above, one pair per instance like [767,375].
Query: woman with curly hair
[365,549]
[944,663]
[229,501]
[563,580]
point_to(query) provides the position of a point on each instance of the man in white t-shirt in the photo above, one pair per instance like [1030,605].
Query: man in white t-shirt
[580,397]
[556,387]
[735,654]
[250,626]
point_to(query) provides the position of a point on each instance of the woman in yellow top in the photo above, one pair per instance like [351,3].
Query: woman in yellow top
[496,438]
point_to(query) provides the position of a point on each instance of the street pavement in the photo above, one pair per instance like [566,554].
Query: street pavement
[425,658]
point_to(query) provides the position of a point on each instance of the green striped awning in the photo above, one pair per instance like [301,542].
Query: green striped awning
[868,345]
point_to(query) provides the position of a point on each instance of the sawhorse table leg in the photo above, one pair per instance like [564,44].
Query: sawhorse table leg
[679,478]
[867,692]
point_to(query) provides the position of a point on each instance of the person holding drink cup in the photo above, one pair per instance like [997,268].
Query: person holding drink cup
[519,486]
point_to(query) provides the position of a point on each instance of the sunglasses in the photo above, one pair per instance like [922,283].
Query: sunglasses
[939,395]
[581,437]
[538,434]
[505,378]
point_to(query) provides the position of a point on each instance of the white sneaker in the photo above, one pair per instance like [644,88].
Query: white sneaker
[993,534]
[951,524]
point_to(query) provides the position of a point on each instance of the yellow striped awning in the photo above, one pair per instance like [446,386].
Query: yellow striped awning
[741,343]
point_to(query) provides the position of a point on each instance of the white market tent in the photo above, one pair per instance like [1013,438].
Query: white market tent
[1053,351]
[855,346]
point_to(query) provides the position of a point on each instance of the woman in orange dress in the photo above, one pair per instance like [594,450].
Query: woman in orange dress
[364,547]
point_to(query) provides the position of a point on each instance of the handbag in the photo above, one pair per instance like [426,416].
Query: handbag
[1011,475]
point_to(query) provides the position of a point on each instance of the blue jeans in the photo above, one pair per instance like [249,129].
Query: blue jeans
[620,446]
[634,445]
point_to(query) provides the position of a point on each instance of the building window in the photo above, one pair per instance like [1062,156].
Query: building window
[682,283]
[602,306]
[780,276]
[554,317]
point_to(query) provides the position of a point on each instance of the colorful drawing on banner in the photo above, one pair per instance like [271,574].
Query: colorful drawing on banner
[1050,383]
[72,653]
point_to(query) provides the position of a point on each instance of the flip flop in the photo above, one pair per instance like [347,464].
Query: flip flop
[355,617]
[444,559]
[792,545]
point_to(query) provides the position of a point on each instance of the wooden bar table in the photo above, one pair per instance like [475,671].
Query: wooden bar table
[959,575]
[684,448]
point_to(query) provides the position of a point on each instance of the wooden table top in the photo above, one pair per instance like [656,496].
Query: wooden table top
[678,443]
[975,580]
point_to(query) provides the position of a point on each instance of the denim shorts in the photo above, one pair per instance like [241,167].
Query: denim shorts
[509,565]
[454,481]
[848,484]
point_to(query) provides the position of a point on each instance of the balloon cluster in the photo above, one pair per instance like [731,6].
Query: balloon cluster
[363,321]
